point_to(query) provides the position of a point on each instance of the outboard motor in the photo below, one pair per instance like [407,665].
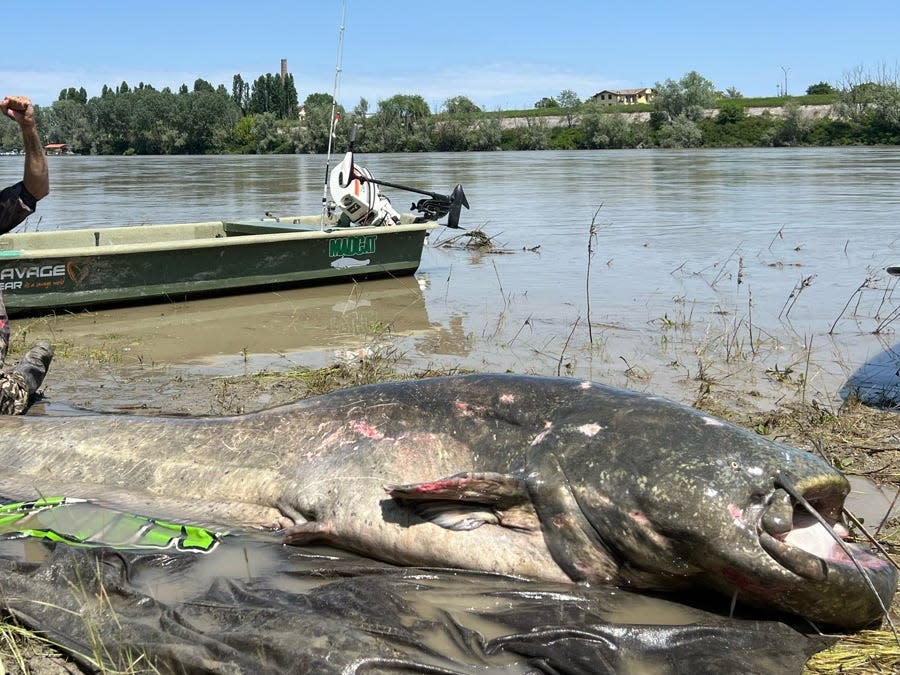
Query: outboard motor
[357,195]
[355,191]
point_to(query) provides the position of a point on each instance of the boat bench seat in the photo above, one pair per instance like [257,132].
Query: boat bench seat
[241,227]
[137,235]
[149,234]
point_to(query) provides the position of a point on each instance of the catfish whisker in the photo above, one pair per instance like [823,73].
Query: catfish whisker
[871,538]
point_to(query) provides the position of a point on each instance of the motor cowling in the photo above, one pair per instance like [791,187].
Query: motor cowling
[359,198]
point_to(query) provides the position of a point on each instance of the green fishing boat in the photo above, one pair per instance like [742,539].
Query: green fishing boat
[68,269]
[358,236]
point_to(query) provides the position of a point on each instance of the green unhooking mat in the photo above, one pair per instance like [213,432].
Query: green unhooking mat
[128,593]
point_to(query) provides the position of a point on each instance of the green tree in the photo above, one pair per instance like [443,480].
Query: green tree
[607,130]
[569,103]
[75,95]
[460,106]
[746,132]
[241,140]
[240,92]
[271,93]
[689,97]
[111,116]
[265,133]
[290,99]
[150,123]
[206,117]
[533,135]
[404,109]
[361,111]
[568,99]
[201,85]
[317,109]
[10,135]
[793,127]
[602,129]
[452,130]
[681,132]
[547,102]
[359,123]
[871,104]
[730,112]
[820,88]
[401,124]
[485,133]
[260,97]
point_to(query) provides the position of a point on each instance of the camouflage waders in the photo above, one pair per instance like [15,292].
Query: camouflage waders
[19,384]
[14,397]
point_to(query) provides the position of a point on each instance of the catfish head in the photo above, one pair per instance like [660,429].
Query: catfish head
[638,491]
[678,497]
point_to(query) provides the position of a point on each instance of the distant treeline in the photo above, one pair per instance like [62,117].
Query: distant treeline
[265,117]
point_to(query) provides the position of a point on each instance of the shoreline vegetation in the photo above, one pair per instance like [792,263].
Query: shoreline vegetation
[266,117]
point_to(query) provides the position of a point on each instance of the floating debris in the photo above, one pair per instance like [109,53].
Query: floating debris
[478,240]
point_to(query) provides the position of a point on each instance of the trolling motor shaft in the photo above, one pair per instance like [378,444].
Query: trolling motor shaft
[438,205]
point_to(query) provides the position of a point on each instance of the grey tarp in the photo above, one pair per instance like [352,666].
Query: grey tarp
[876,383]
[253,606]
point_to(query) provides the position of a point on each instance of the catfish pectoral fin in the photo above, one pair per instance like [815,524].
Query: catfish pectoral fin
[454,515]
[485,488]
[466,501]
[306,533]
[460,516]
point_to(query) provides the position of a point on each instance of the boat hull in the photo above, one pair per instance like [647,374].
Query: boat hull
[63,270]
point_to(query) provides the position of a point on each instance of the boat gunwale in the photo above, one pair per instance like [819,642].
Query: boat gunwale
[243,239]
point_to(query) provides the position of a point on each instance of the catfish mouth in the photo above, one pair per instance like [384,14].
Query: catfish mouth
[811,547]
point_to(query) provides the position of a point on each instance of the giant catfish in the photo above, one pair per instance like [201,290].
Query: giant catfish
[550,478]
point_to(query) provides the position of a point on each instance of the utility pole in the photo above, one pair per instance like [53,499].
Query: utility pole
[786,70]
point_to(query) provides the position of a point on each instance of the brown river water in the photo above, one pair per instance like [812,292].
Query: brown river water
[727,263]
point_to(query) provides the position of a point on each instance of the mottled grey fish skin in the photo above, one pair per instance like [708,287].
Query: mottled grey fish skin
[561,480]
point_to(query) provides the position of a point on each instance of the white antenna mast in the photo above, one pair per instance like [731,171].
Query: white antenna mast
[334,95]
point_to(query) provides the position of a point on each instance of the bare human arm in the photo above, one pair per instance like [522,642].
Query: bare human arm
[36,177]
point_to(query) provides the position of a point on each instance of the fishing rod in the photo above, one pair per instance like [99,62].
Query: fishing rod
[436,206]
[334,96]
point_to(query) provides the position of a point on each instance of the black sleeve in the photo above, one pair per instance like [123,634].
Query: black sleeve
[16,204]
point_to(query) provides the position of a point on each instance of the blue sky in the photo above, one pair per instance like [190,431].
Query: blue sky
[500,54]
